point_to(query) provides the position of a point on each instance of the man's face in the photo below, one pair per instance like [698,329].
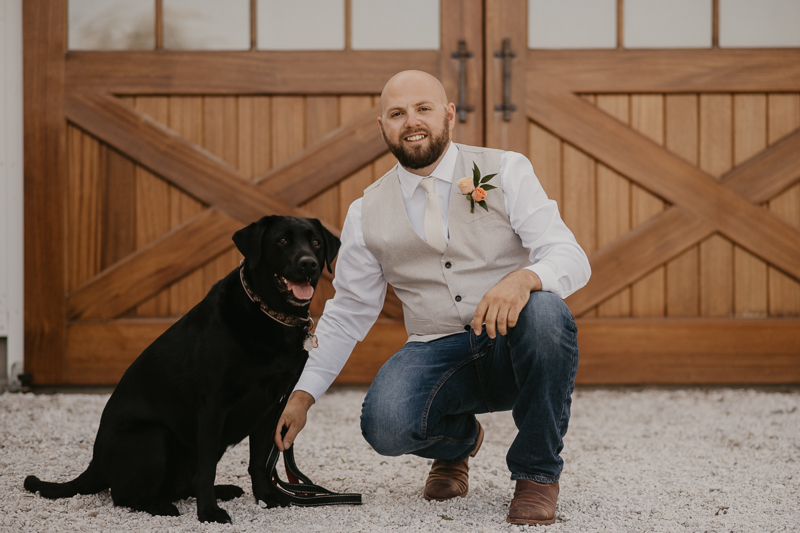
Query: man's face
[416,122]
[419,147]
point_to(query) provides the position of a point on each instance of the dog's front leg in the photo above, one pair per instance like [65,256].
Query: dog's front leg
[209,434]
[260,446]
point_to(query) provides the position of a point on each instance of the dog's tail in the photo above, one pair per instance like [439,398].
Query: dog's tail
[86,483]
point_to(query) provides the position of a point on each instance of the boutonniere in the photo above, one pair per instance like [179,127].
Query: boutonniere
[475,188]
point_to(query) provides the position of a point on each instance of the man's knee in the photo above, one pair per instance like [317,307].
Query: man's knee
[385,425]
[545,313]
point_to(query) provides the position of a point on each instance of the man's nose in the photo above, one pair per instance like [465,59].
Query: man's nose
[412,120]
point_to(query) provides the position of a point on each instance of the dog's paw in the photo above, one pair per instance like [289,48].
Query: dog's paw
[226,493]
[273,499]
[214,514]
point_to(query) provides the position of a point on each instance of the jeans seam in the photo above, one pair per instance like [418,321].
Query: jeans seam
[432,396]
[569,391]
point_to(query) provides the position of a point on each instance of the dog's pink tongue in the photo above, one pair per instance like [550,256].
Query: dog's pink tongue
[301,291]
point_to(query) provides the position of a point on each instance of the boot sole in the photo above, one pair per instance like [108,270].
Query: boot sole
[531,522]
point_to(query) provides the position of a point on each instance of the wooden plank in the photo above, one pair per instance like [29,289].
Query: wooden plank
[784,118]
[352,187]
[251,72]
[716,157]
[580,196]
[665,71]
[119,207]
[288,121]
[668,176]
[505,19]
[221,138]
[683,284]
[613,204]
[689,351]
[580,200]
[680,352]
[84,208]
[152,204]
[185,119]
[749,138]
[544,151]
[322,117]
[613,221]
[647,117]
[680,138]
[262,134]
[45,171]
[463,20]
[784,115]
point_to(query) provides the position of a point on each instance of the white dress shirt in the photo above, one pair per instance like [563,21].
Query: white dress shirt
[558,260]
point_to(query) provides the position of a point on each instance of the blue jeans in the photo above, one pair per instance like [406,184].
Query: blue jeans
[424,399]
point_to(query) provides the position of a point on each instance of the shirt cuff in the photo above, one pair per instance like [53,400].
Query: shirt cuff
[313,384]
[546,276]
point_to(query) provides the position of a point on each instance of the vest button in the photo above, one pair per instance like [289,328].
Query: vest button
[448,264]
[458,298]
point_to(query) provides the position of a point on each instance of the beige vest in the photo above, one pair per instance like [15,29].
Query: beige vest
[441,292]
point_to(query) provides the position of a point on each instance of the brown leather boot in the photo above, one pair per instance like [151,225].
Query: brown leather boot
[450,479]
[533,504]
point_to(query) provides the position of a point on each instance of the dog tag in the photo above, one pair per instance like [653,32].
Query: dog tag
[310,342]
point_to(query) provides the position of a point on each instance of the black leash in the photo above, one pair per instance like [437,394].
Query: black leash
[300,490]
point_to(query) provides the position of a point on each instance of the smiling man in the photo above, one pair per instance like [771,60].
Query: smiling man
[482,270]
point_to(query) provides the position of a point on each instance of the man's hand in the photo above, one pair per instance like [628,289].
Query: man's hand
[293,418]
[500,307]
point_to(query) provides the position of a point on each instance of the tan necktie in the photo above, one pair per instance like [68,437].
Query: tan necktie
[433,216]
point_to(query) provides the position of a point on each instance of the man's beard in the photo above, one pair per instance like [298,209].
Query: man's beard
[420,156]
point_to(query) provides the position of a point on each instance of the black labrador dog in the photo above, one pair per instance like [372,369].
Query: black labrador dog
[215,377]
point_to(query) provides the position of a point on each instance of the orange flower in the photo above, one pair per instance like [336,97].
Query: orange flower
[479,194]
[465,185]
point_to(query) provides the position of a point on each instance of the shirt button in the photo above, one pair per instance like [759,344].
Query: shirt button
[458,298]
[448,264]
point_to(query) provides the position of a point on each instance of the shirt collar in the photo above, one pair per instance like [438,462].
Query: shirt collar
[443,171]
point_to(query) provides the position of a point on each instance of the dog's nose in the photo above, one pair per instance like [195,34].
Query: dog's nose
[308,264]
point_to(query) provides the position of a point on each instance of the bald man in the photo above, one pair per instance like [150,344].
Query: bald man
[482,273]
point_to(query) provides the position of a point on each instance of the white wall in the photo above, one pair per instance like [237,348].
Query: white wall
[11,250]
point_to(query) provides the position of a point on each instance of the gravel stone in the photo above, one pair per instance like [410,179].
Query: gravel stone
[660,460]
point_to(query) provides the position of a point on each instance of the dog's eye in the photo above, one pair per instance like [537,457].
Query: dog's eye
[316,243]
[282,241]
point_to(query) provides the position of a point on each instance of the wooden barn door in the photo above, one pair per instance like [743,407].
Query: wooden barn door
[140,165]
[678,172]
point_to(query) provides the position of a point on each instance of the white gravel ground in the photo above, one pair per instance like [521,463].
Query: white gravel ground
[704,460]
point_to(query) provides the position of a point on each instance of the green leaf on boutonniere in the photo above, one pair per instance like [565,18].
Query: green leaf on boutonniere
[476,175]
[488,187]
[487,178]
[471,205]
[482,203]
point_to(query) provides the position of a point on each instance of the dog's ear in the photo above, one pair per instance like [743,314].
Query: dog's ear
[330,242]
[248,240]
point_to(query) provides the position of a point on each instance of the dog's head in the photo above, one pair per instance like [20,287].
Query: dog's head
[284,257]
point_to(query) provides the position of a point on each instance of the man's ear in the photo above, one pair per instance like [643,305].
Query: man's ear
[248,240]
[330,243]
